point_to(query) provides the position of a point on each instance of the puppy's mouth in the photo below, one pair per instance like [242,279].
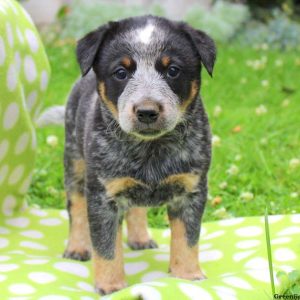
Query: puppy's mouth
[150,132]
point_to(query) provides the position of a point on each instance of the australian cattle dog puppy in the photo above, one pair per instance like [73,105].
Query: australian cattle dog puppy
[137,136]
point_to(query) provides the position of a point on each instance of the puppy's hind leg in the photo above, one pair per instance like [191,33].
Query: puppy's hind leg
[138,236]
[79,243]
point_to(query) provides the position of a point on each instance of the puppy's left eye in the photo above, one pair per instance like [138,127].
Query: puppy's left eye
[173,72]
[121,74]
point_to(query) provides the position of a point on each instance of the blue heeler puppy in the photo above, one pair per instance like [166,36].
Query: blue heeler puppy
[137,136]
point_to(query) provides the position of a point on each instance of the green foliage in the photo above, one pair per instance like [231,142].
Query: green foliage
[253,105]
[221,22]
[85,16]
[289,283]
[279,32]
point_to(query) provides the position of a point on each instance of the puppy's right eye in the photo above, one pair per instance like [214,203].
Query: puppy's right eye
[121,74]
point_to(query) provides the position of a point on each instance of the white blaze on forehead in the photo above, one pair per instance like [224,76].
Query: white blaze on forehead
[144,34]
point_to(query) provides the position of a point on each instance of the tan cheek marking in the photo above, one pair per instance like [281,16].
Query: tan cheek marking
[126,61]
[137,225]
[110,105]
[193,93]
[79,167]
[165,60]
[188,180]
[118,185]
[109,274]
[183,259]
[79,237]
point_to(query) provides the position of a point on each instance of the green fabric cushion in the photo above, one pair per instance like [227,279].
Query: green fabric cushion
[24,73]
[232,254]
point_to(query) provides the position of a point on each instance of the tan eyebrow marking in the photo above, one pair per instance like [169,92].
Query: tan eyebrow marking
[126,61]
[165,60]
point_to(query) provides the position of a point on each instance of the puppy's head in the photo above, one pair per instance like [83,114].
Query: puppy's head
[148,71]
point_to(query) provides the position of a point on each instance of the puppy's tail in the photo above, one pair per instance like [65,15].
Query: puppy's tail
[54,115]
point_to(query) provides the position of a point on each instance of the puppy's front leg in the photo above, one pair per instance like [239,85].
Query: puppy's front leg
[185,228]
[106,236]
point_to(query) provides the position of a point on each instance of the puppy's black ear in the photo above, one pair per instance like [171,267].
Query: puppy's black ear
[205,46]
[88,46]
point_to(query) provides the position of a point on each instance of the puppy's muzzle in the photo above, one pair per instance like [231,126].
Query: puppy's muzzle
[147,112]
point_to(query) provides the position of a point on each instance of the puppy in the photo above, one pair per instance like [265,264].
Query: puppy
[137,135]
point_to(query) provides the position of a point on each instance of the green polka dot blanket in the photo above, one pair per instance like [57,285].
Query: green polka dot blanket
[233,252]
[233,255]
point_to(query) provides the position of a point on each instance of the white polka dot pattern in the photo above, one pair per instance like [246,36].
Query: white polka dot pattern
[2,51]
[41,277]
[21,289]
[11,116]
[30,69]
[8,205]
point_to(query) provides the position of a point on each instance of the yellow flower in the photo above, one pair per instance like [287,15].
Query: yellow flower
[217,200]
[244,80]
[278,63]
[285,103]
[217,110]
[294,163]
[238,157]
[52,140]
[264,141]
[223,185]
[265,83]
[221,213]
[233,170]
[264,46]
[264,59]
[237,129]
[247,196]
[257,64]
[216,141]
[261,110]
[294,195]
[231,61]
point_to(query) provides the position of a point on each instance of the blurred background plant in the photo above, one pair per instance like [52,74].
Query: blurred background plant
[83,16]
[274,24]
[222,21]
[280,31]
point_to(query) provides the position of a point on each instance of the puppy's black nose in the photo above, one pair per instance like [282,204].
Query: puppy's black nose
[147,116]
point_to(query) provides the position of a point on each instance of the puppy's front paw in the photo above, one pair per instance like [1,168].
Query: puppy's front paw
[135,245]
[184,274]
[108,288]
[77,255]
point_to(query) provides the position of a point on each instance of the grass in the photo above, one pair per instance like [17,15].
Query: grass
[254,106]
[269,250]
